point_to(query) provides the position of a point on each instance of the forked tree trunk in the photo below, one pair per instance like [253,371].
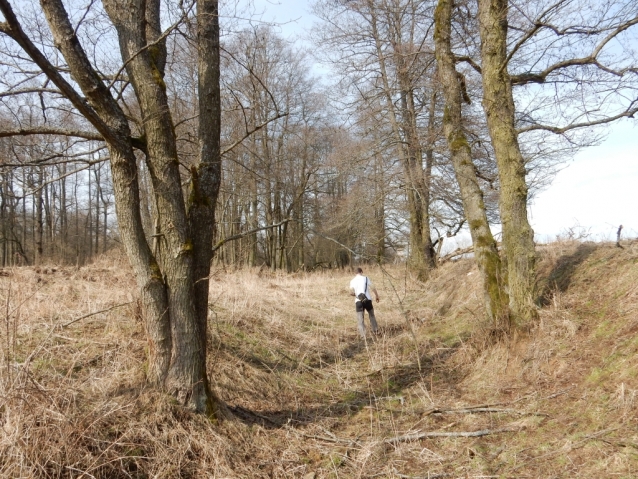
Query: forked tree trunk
[173,284]
[485,250]
[498,103]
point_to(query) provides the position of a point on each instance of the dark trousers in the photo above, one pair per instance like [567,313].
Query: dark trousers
[360,308]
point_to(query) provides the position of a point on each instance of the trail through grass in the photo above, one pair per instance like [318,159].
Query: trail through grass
[428,397]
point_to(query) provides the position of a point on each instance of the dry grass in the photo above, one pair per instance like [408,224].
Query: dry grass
[308,398]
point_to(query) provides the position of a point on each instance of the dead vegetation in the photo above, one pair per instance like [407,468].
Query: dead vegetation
[306,398]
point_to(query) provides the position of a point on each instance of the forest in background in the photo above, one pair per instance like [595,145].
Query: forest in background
[319,157]
[291,155]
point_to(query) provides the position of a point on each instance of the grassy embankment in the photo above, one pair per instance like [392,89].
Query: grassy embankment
[306,398]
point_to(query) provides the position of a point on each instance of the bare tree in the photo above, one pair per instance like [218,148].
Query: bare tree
[173,284]
[378,46]
[572,48]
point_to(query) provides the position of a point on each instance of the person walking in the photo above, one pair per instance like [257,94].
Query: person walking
[360,287]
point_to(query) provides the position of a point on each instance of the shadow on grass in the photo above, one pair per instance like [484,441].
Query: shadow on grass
[560,278]
[273,359]
[378,384]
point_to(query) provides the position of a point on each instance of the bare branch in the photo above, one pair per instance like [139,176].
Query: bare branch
[469,61]
[13,29]
[538,26]
[425,435]
[96,312]
[163,37]
[60,177]
[592,59]
[248,133]
[87,135]
[629,113]
[328,238]
[29,90]
[246,233]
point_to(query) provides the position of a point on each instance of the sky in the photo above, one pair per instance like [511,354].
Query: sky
[590,197]
[596,192]
[293,15]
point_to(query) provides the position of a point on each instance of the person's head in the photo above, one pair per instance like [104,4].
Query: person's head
[359,271]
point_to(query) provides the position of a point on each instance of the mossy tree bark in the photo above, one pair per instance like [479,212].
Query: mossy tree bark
[498,103]
[485,248]
[173,279]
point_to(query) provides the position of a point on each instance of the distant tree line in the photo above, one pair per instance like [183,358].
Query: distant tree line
[56,203]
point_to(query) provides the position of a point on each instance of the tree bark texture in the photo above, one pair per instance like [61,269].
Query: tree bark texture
[173,281]
[137,23]
[485,248]
[206,176]
[498,103]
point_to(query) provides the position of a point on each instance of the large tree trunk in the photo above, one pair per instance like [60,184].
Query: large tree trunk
[485,250]
[498,103]
[206,177]
[185,377]
[173,284]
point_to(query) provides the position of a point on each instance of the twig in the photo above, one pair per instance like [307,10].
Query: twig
[475,410]
[559,393]
[248,133]
[429,476]
[576,445]
[424,435]
[621,443]
[96,312]
[246,233]
[335,440]
[328,238]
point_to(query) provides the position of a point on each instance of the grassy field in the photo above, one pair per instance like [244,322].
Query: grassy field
[429,397]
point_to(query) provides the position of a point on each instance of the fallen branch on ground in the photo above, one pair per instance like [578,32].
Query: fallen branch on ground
[459,252]
[429,476]
[455,253]
[576,445]
[621,443]
[425,435]
[335,440]
[475,410]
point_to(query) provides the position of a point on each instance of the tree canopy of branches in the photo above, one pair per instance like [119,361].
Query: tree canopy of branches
[550,72]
